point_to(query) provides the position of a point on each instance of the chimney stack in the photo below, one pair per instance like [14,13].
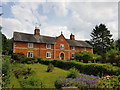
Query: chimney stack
[72,37]
[37,31]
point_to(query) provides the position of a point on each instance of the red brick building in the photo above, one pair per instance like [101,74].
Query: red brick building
[37,45]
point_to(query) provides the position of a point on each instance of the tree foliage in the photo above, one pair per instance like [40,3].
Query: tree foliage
[87,56]
[101,39]
[113,56]
[6,45]
[118,44]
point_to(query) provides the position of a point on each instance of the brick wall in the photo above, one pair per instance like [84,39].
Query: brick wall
[40,50]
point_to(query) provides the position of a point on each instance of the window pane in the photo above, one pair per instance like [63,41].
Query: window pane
[73,48]
[30,45]
[48,46]
[73,55]
[30,54]
[61,46]
[48,55]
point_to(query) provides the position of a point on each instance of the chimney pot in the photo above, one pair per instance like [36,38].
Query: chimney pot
[37,31]
[72,37]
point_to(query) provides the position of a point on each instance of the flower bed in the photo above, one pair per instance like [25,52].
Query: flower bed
[81,81]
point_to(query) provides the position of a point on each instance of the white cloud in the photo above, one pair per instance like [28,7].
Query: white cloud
[113,27]
[81,17]
[59,8]
[56,31]
[9,25]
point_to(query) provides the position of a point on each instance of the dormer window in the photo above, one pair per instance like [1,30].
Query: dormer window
[30,45]
[48,46]
[73,48]
[62,46]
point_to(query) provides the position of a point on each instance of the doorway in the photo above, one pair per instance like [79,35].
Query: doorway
[62,56]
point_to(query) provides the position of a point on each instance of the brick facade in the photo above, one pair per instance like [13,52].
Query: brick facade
[40,49]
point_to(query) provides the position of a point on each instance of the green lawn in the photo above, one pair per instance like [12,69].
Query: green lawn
[47,78]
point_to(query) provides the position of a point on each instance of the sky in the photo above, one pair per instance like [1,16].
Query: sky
[78,17]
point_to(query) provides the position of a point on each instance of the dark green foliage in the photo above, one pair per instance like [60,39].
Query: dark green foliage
[86,68]
[112,82]
[113,56]
[21,58]
[50,67]
[6,70]
[29,82]
[22,70]
[118,44]
[101,40]
[6,45]
[73,73]
[87,56]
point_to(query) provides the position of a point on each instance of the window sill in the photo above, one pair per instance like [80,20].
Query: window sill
[48,57]
[48,48]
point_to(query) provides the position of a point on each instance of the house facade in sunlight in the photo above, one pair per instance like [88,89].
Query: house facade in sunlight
[37,45]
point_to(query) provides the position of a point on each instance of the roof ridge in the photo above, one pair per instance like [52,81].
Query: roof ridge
[23,33]
[33,34]
[48,36]
[75,40]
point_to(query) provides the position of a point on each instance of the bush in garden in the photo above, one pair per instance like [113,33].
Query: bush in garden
[83,55]
[50,67]
[95,58]
[81,81]
[118,60]
[30,60]
[6,70]
[112,56]
[22,71]
[19,57]
[29,82]
[113,82]
[73,72]
[6,64]
[87,68]
[19,72]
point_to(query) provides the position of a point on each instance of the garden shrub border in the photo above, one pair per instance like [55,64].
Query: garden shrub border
[86,68]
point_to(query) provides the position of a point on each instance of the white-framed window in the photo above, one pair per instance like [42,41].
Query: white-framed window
[73,48]
[73,55]
[48,46]
[62,46]
[30,54]
[30,45]
[48,54]
[84,49]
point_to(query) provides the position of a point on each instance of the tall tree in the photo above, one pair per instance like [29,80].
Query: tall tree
[118,44]
[101,40]
[6,45]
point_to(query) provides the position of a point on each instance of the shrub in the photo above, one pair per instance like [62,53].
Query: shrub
[86,68]
[6,70]
[19,57]
[29,82]
[22,71]
[19,72]
[73,72]
[112,82]
[83,55]
[30,60]
[112,56]
[50,67]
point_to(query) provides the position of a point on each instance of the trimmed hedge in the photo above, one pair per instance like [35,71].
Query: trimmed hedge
[86,68]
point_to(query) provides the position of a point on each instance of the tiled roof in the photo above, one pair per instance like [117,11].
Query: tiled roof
[23,37]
